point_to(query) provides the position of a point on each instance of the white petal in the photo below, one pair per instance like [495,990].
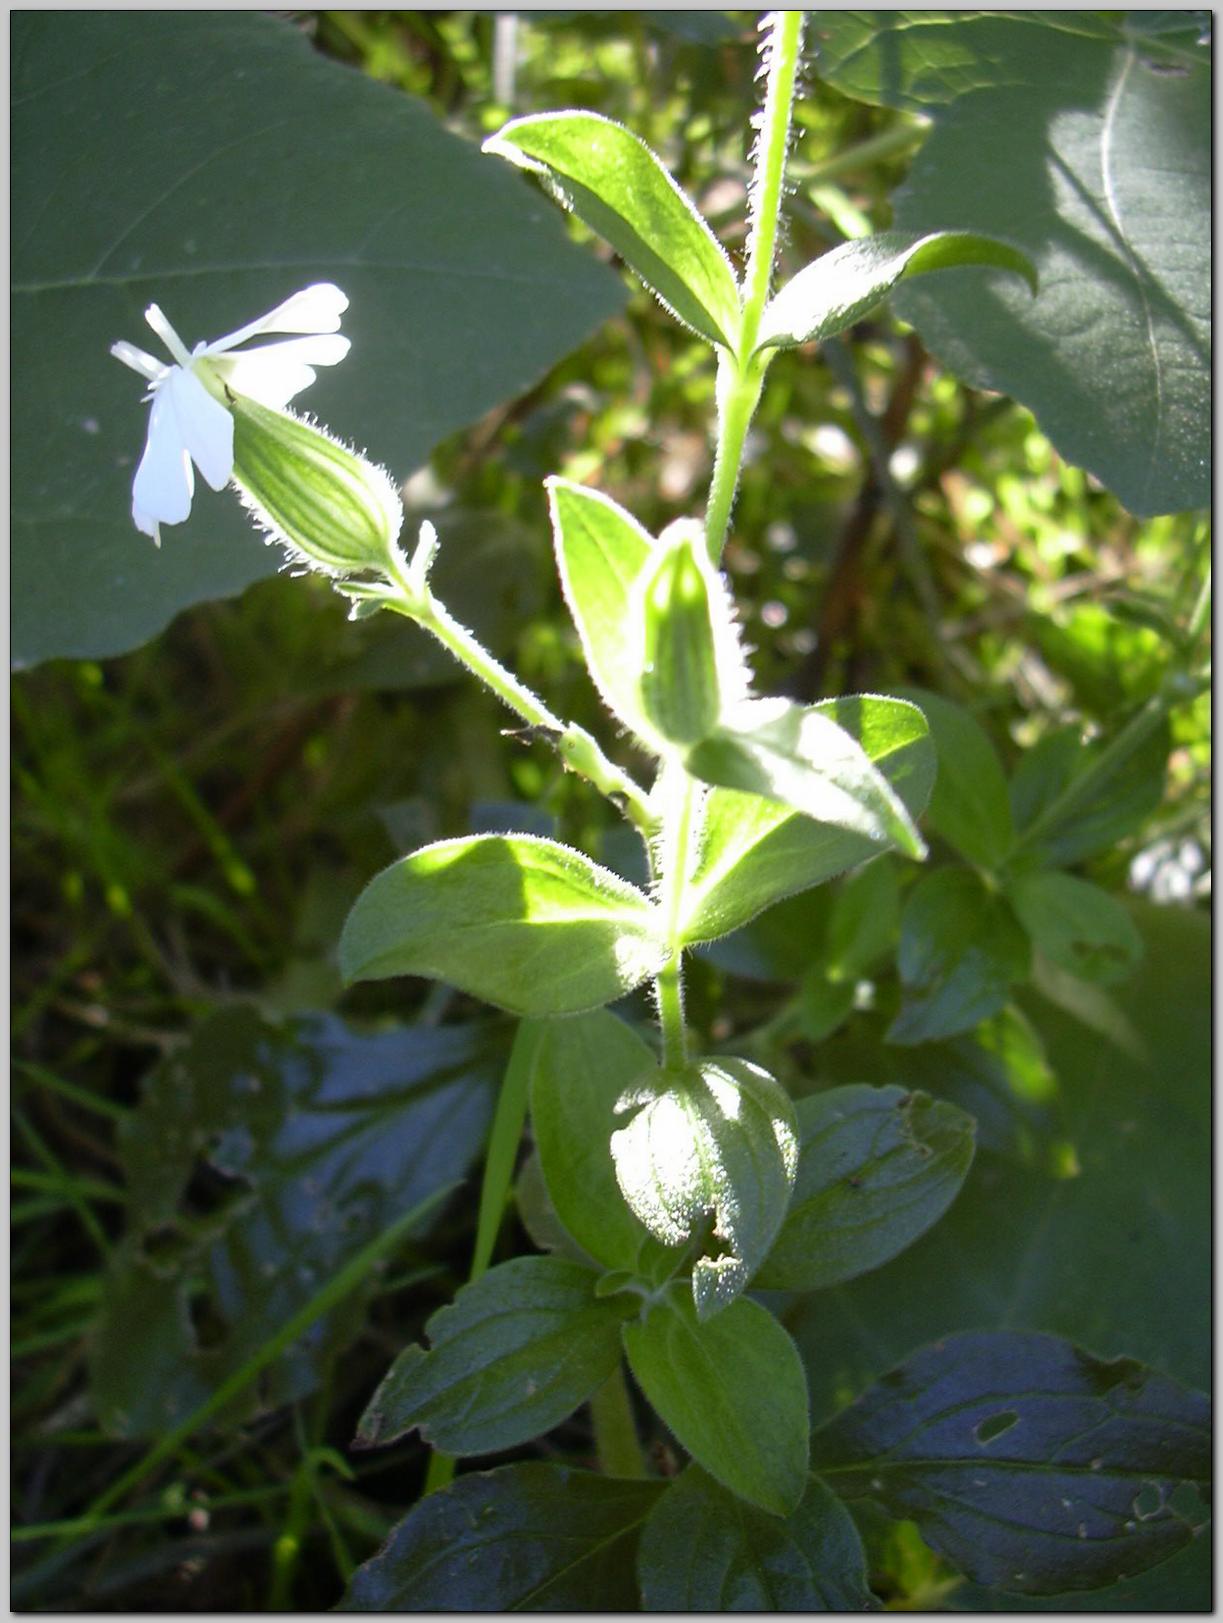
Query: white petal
[156,319]
[139,360]
[315,309]
[164,483]
[274,373]
[205,428]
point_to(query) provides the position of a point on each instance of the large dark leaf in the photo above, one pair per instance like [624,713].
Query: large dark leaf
[1116,1258]
[703,1550]
[1084,139]
[263,1158]
[527,1538]
[213,162]
[1029,1464]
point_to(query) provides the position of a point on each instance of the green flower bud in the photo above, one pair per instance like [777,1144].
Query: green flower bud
[312,494]
[681,695]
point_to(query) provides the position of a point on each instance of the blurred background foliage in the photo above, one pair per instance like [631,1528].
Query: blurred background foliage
[191,821]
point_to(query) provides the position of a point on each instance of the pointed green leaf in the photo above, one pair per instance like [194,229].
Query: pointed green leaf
[960,950]
[1031,1465]
[525,923]
[531,1538]
[717,1140]
[877,1167]
[732,1389]
[862,922]
[1077,925]
[801,758]
[600,552]
[580,1069]
[511,1357]
[969,805]
[702,1550]
[612,181]
[843,285]
[755,851]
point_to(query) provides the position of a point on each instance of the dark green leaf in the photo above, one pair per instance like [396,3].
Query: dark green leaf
[969,805]
[600,552]
[877,1167]
[530,925]
[845,284]
[715,1141]
[1030,1464]
[612,181]
[581,1068]
[1117,1257]
[526,1538]
[801,758]
[219,224]
[755,852]
[1077,925]
[863,919]
[511,1357]
[704,1551]
[1106,159]
[303,1143]
[732,1390]
[960,950]
[1081,802]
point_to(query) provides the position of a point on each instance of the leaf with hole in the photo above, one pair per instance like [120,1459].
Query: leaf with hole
[612,181]
[714,1144]
[219,224]
[525,923]
[1077,925]
[960,951]
[877,1167]
[513,1355]
[1030,1464]
[846,283]
[525,1538]
[732,1390]
[261,1159]
[703,1550]
[754,852]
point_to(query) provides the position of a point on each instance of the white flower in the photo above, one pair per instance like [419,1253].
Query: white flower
[189,421]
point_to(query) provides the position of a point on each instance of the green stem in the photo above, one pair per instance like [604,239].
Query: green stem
[577,748]
[782,51]
[616,1430]
[741,376]
[679,805]
[1199,619]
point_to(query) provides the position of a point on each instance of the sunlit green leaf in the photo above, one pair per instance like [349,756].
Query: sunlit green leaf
[755,851]
[530,925]
[715,1142]
[612,181]
[702,1550]
[732,1390]
[845,284]
[1032,1465]
[580,1070]
[877,1167]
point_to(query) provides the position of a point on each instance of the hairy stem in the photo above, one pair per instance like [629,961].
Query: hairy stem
[741,376]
